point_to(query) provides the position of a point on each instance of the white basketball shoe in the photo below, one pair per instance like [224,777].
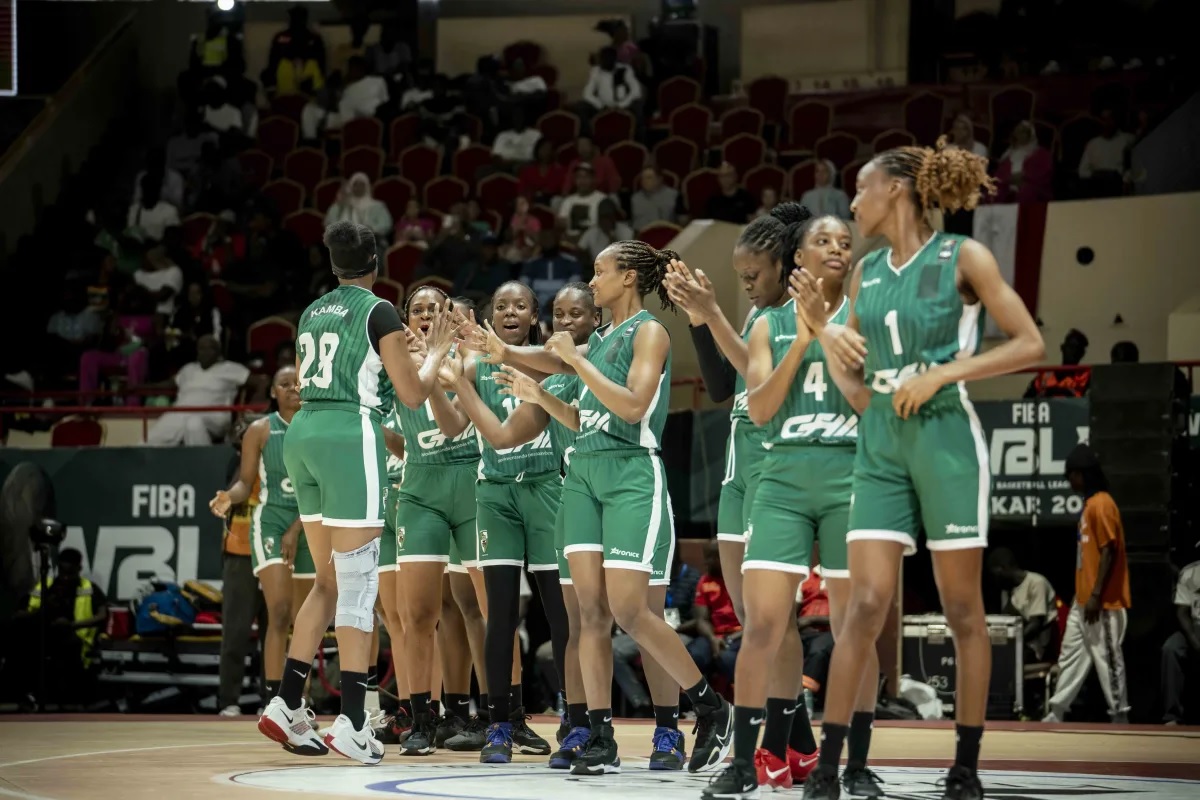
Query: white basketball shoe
[360,746]
[292,728]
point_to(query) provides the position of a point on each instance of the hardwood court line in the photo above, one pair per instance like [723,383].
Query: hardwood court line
[61,756]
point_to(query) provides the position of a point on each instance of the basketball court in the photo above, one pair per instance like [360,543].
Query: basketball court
[73,757]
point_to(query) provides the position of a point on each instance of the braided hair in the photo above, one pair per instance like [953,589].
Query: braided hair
[649,263]
[534,330]
[943,177]
[352,251]
[414,292]
[765,234]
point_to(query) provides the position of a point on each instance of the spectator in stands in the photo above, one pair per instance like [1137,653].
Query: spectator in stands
[581,210]
[1029,596]
[355,204]
[267,280]
[815,635]
[477,224]
[390,56]
[151,215]
[1181,651]
[73,328]
[420,90]
[550,270]
[653,202]
[1065,383]
[162,279]
[1104,164]
[825,197]
[627,50]
[732,203]
[610,85]
[720,633]
[1025,172]
[216,183]
[962,135]
[297,57]
[1096,624]
[515,146]
[196,317]
[125,345]
[207,381]
[604,170]
[522,234]
[520,82]
[321,112]
[452,249]
[544,179]
[413,227]
[606,231]
[478,280]
[485,95]
[362,94]
[171,188]
[220,114]
[767,201]
[218,50]
[184,148]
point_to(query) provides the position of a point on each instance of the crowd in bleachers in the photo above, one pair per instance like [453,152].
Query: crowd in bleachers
[471,180]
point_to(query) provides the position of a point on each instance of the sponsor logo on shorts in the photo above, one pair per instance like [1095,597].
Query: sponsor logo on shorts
[268,546]
[286,485]
[961,529]
[483,541]
[616,551]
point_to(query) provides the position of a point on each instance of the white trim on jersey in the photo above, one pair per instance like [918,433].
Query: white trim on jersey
[368,371]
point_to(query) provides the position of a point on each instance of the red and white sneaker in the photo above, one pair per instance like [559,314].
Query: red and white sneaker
[360,746]
[772,770]
[802,764]
[292,728]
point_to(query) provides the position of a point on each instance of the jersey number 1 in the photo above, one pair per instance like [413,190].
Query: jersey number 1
[322,352]
[892,321]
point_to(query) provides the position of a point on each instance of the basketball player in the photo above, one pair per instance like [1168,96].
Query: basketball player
[396,725]
[911,336]
[275,524]
[334,455]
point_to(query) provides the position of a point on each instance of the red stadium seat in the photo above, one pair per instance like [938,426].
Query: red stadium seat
[850,175]
[530,53]
[545,215]
[362,132]
[289,105]
[675,154]
[567,153]
[368,160]
[77,432]
[287,195]
[741,120]
[326,193]
[697,188]
[277,136]
[559,127]
[306,166]
[497,192]
[762,177]
[838,147]
[807,122]
[266,335]
[446,286]
[419,164]
[547,72]
[745,151]
[674,93]
[769,95]
[469,161]
[404,132]
[256,167]
[692,122]
[389,290]
[659,235]
[1010,105]
[443,192]
[924,114]
[1074,134]
[801,178]
[195,227]
[630,158]
[394,192]
[401,262]
[473,127]
[891,139]
[612,126]
[307,225]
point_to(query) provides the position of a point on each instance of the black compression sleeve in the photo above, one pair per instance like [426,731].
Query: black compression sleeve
[718,373]
[384,319]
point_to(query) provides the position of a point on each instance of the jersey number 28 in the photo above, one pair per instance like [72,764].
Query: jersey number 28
[320,351]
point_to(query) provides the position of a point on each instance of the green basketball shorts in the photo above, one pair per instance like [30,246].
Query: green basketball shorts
[268,524]
[335,458]
[515,521]
[388,541]
[436,505]
[803,498]
[304,567]
[618,505]
[743,457]
[930,470]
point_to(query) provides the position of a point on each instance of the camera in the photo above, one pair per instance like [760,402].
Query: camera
[47,533]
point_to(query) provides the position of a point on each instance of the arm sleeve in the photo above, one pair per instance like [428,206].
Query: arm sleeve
[383,320]
[718,374]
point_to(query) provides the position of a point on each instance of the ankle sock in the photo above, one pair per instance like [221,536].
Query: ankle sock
[746,722]
[801,737]
[667,717]
[859,742]
[833,736]
[354,697]
[779,726]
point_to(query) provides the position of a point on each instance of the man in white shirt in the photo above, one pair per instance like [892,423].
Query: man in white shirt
[1029,596]
[1181,651]
[581,210]
[610,85]
[519,82]
[151,214]
[163,279]
[1103,164]
[363,93]
[654,201]
[208,381]
[516,146]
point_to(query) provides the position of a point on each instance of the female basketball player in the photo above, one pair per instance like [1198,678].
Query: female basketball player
[802,497]
[518,497]
[335,458]
[911,335]
[435,525]
[275,525]
[621,532]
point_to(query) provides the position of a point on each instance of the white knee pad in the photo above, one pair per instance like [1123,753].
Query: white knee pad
[357,575]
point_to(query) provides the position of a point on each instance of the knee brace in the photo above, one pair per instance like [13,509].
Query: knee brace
[357,574]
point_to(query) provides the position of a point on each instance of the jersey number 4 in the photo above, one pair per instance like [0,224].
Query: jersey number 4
[320,351]
[814,380]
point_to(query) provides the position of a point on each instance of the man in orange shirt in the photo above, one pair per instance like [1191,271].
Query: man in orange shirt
[1096,625]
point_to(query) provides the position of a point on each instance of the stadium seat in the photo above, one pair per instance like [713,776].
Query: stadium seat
[741,120]
[692,122]
[762,177]
[419,164]
[444,191]
[745,151]
[404,132]
[306,166]
[368,160]
[924,114]
[257,166]
[307,225]
[278,136]
[768,94]
[801,178]
[469,160]
[659,235]
[559,127]
[265,336]
[839,147]
[675,154]
[630,158]
[287,195]
[674,93]
[362,132]
[807,122]
[389,290]
[394,192]
[497,193]
[697,188]
[892,138]
[326,193]
[611,126]
[401,262]
[82,431]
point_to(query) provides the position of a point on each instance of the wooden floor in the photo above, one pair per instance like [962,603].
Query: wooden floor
[198,758]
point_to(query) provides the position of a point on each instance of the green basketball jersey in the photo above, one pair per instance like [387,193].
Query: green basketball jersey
[912,316]
[337,362]
[610,350]
[741,410]
[395,466]
[814,411]
[424,443]
[274,486]
[530,457]
[562,438]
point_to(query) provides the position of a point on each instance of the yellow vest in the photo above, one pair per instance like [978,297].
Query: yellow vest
[212,52]
[83,611]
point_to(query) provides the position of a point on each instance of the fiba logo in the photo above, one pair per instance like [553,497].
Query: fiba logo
[483,541]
